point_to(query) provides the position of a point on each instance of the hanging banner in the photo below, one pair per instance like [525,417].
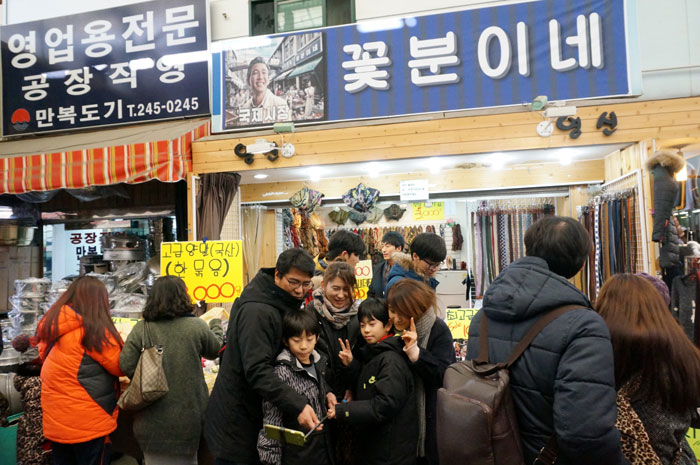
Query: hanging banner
[428,211]
[212,270]
[485,57]
[363,275]
[141,62]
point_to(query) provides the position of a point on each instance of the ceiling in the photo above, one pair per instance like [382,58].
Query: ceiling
[387,167]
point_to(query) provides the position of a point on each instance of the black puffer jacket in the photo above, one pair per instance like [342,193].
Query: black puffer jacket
[564,383]
[384,413]
[663,165]
[247,375]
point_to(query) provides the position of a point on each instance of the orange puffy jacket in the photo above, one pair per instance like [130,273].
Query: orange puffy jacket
[79,387]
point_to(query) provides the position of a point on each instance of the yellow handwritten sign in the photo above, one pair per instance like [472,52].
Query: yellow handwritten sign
[458,320]
[363,274]
[428,211]
[212,270]
[693,437]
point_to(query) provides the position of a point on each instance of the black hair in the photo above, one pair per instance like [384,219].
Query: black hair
[373,309]
[560,241]
[295,258]
[395,239]
[168,299]
[297,321]
[345,241]
[254,62]
[429,246]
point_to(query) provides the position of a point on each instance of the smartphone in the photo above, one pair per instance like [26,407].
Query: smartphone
[285,435]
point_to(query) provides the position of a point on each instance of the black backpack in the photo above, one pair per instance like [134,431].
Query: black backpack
[476,418]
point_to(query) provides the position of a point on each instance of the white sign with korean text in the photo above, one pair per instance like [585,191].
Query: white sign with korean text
[416,189]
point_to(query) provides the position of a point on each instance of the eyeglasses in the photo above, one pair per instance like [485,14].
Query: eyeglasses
[296,284]
[431,265]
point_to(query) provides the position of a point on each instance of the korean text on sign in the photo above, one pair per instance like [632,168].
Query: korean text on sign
[212,270]
[107,64]
[458,320]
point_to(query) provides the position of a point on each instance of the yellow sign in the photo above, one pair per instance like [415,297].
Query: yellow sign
[693,437]
[363,274]
[212,270]
[428,211]
[458,320]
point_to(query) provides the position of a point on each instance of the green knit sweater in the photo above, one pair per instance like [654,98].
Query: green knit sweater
[173,424]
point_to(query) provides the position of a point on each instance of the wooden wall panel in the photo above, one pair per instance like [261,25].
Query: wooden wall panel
[668,119]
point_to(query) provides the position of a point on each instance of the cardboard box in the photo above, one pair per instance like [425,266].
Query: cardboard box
[36,265]
[24,258]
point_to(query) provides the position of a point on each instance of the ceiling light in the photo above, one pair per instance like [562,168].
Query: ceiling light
[434,164]
[682,175]
[261,176]
[497,160]
[374,168]
[315,173]
[565,156]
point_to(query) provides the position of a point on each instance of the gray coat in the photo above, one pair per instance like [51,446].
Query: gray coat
[564,383]
[683,296]
[173,424]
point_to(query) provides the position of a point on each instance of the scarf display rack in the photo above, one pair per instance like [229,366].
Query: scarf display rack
[497,236]
[617,229]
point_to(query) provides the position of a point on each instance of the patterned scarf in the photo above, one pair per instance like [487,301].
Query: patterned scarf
[337,317]
[423,327]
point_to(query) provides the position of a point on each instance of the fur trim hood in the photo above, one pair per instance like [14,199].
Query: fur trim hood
[404,260]
[668,158]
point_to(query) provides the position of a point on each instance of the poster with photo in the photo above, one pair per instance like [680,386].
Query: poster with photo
[273,79]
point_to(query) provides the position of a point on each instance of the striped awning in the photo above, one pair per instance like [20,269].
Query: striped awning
[136,154]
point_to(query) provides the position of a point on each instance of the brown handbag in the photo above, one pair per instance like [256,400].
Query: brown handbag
[149,382]
[476,418]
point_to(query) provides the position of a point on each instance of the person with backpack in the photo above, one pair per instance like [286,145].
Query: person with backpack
[657,371]
[563,384]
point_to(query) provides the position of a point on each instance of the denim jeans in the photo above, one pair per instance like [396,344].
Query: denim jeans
[94,452]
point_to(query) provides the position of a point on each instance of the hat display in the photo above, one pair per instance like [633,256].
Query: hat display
[357,217]
[339,216]
[306,199]
[374,215]
[394,212]
[361,198]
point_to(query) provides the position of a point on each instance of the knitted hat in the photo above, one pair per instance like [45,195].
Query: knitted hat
[659,285]
[394,212]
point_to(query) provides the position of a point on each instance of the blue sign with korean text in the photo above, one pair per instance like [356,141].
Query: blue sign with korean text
[140,62]
[486,57]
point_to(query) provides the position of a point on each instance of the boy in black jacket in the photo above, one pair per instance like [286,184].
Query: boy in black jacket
[301,367]
[385,410]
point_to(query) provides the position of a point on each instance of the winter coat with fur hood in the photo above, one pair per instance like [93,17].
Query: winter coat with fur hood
[404,268]
[663,165]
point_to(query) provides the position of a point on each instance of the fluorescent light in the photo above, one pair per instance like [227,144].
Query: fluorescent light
[383,24]
[5,212]
[434,164]
[141,63]
[565,156]
[261,176]
[498,160]
[315,173]
[374,169]
[682,175]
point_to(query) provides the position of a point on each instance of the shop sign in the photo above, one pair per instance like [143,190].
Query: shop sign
[416,189]
[477,58]
[212,270]
[363,275]
[141,62]
[428,211]
[458,320]
[69,246]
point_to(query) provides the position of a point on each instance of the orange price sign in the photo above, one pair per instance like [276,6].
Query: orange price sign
[428,211]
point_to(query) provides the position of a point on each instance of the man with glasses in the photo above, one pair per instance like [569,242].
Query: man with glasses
[246,374]
[428,252]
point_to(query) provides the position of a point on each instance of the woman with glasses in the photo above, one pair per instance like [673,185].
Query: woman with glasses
[429,347]
[428,251]
[335,309]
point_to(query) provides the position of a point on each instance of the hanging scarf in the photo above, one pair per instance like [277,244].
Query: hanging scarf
[423,326]
[337,317]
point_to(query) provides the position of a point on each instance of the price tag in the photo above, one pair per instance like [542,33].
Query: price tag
[363,274]
[428,211]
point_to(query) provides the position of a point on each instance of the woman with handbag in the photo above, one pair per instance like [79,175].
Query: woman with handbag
[428,346]
[169,429]
[657,372]
[80,347]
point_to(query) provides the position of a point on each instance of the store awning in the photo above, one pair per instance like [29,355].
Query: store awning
[131,154]
[283,75]
[306,67]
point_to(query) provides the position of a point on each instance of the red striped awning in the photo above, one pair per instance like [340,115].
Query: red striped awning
[167,159]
